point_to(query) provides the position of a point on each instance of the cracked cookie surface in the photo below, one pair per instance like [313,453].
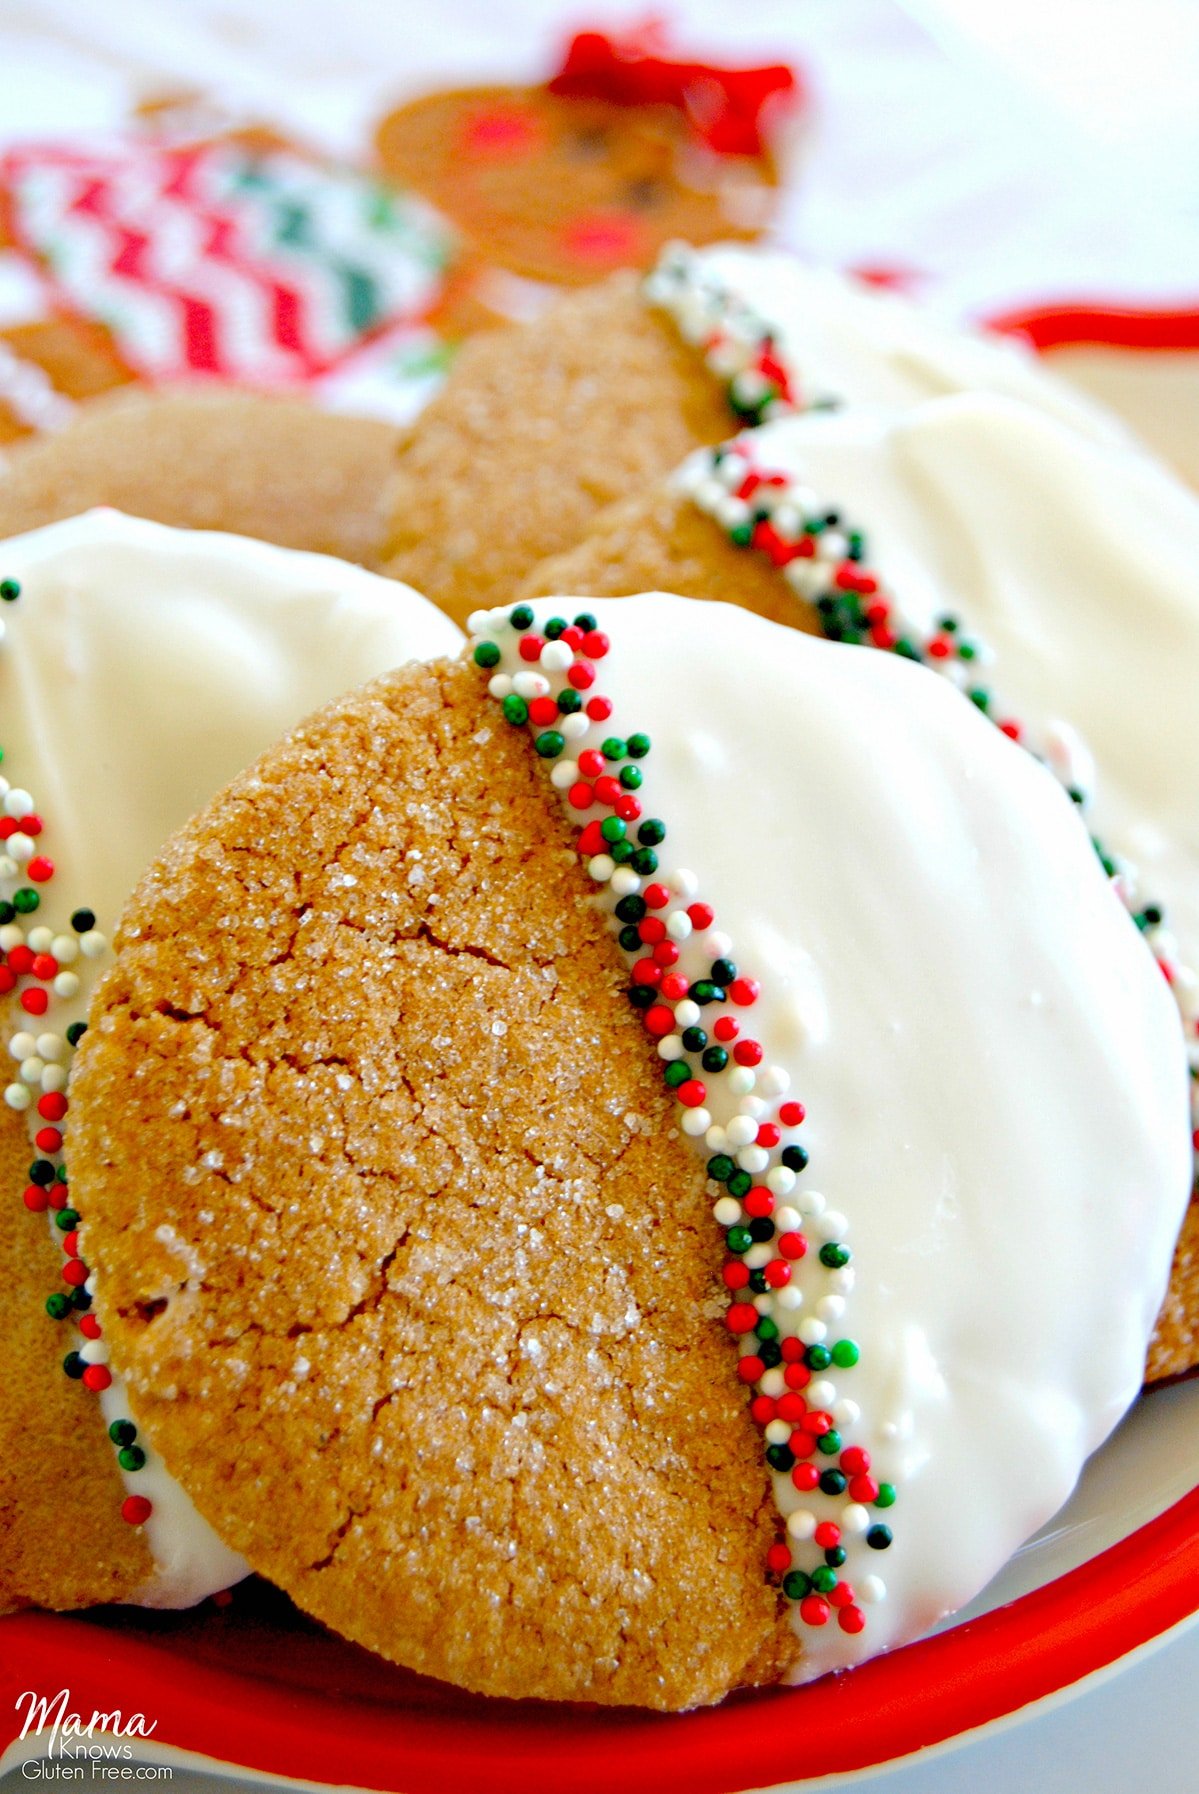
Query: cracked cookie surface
[412,1280]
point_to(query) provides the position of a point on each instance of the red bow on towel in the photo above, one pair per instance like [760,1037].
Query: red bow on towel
[723,106]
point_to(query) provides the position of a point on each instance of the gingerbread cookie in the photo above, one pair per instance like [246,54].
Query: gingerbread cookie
[273,468]
[934,532]
[620,154]
[404,1162]
[47,366]
[142,667]
[539,428]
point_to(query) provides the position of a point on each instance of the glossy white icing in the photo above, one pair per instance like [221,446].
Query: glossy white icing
[1075,564]
[849,343]
[142,668]
[992,1067]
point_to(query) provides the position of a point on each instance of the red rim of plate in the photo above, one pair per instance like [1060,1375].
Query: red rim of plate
[1078,325]
[925,1694]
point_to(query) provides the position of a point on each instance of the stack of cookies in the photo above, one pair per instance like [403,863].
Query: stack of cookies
[597,1160]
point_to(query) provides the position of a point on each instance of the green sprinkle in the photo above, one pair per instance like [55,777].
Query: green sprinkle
[740,1184]
[25,901]
[980,699]
[835,1556]
[833,1482]
[570,701]
[41,1172]
[966,651]
[639,746]
[586,621]
[122,1432]
[846,1354]
[613,828]
[132,1457]
[766,1328]
[644,862]
[9,590]
[516,711]
[73,1365]
[66,1218]
[908,649]
[721,1167]
[629,938]
[58,1306]
[796,1585]
[739,1239]
[818,1357]
[676,1073]
[7,914]
[487,654]
[834,1255]
[82,920]
[621,852]
[631,908]
[795,1158]
[829,1443]
[723,971]
[614,748]
[521,617]
[630,777]
[885,1496]
[741,535]
[554,628]
[770,1352]
[694,1039]
[780,1457]
[715,1059]
[824,1580]
[549,744]
[652,833]
[879,1537]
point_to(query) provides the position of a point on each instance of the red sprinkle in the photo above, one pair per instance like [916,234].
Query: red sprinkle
[791,1407]
[74,1272]
[805,1477]
[777,1273]
[702,915]
[855,1461]
[750,1369]
[747,1052]
[97,1377]
[792,1245]
[778,1559]
[852,1619]
[136,1509]
[581,675]
[530,647]
[89,1326]
[735,1274]
[768,1134]
[827,1535]
[659,1020]
[791,1114]
[48,1139]
[656,896]
[742,1317]
[21,959]
[581,795]
[727,1027]
[744,991]
[591,763]
[543,711]
[44,966]
[692,1093]
[53,1106]
[815,1610]
[35,1198]
[595,644]
[40,869]
[599,709]
[34,1002]
[758,1202]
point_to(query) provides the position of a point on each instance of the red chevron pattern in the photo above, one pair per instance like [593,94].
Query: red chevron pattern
[214,261]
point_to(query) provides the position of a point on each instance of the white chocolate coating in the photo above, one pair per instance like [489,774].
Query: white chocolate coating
[992,1066]
[1075,564]
[855,344]
[142,668]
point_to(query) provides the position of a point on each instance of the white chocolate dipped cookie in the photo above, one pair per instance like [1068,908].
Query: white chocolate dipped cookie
[462,1180]
[539,429]
[141,667]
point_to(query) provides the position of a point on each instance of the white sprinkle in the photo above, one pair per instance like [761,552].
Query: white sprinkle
[790,1297]
[18,1096]
[601,867]
[67,985]
[741,1130]
[670,1047]
[831,1308]
[759,1256]
[54,1078]
[717,945]
[500,685]
[870,1589]
[812,1331]
[94,1351]
[22,1045]
[625,882]
[742,1080]
[563,774]
[782,1181]
[11,935]
[684,882]
[787,1219]
[801,1524]
[773,1383]
[530,685]
[478,622]
[835,1224]
[773,1080]
[778,1432]
[854,1517]
[18,803]
[575,726]
[65,948]
[40,939]
[753,1158]
[810,1203]
[21,848]
[726,1211]
[556,657]
[32,1069]
[847,1413]
[678,925]
[695,1122]
[686,1013]
[93,943]
[716,1140]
